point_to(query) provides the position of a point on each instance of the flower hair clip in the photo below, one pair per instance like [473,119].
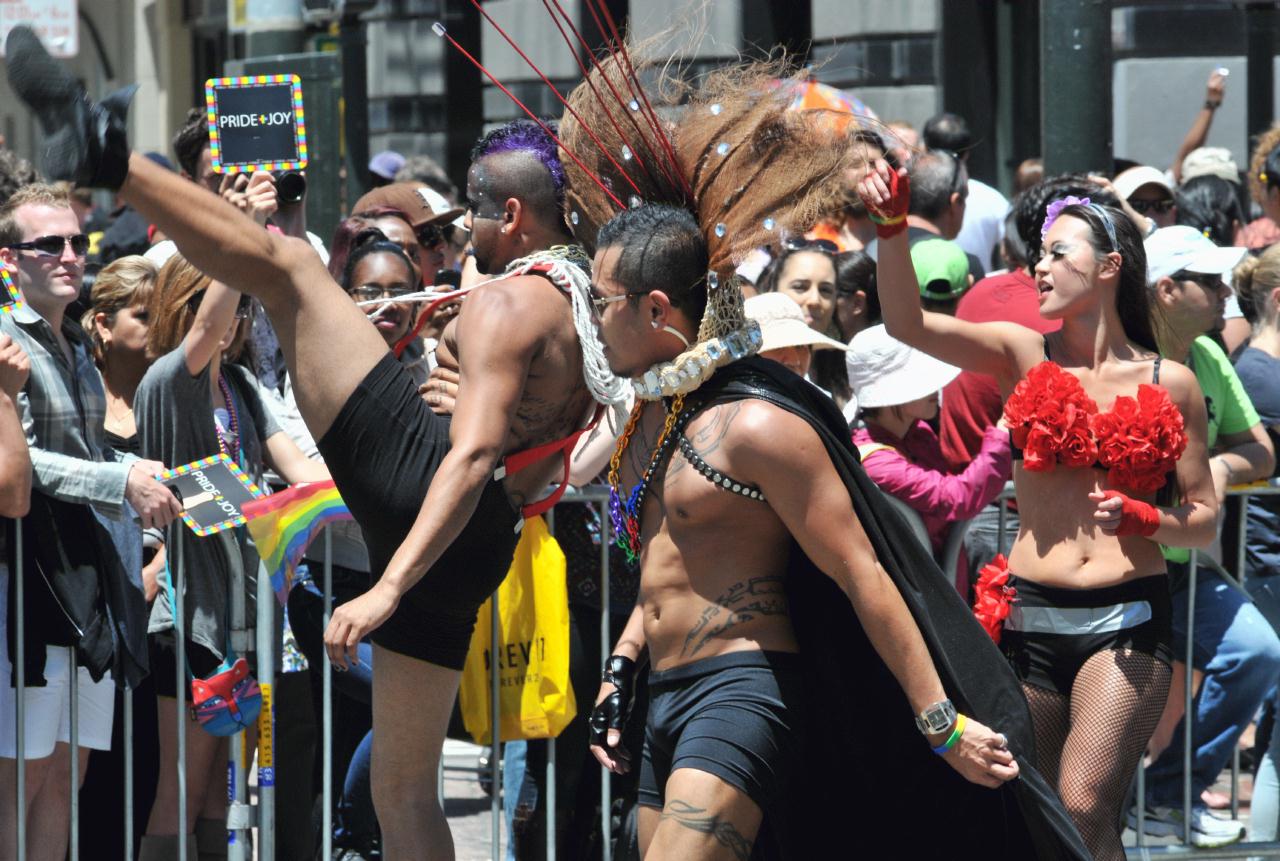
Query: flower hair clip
[1054,209]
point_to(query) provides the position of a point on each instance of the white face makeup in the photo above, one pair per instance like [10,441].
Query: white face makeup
[1068,266]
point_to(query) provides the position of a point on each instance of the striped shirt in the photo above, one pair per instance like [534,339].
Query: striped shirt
[62,408]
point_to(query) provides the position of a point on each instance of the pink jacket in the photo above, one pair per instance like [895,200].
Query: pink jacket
[914,470]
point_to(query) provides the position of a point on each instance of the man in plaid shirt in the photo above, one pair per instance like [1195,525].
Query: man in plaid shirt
[61,408]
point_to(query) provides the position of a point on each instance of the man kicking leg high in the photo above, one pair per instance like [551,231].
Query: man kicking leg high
[441,528]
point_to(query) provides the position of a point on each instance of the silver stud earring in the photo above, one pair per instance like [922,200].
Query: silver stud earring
[656,324]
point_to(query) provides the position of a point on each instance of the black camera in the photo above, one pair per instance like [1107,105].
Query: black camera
[291,185]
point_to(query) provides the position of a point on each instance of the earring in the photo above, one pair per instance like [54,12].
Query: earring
[656,324]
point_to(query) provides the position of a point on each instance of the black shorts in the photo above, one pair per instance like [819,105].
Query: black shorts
[383,450]
[1136,615]
[735,716]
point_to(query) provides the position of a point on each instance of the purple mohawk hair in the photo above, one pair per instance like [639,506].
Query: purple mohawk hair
[525,136]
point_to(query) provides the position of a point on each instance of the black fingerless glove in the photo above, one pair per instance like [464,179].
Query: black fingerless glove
[86,142]
[612,711]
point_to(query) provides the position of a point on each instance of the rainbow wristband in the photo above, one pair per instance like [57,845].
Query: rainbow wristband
[955,737]
[886,222]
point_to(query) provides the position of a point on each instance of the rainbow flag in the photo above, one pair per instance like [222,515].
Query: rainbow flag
[284,524]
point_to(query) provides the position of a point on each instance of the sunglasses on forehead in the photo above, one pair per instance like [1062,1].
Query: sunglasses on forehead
[52,245]
[800,244]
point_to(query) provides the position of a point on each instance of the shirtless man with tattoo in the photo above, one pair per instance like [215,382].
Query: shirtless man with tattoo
[728,489]
[439,517]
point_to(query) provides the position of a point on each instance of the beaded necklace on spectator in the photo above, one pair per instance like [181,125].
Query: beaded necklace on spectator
[231,452]
[626,515]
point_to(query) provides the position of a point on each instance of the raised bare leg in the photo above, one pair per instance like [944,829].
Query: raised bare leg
[412,701]
[328,343]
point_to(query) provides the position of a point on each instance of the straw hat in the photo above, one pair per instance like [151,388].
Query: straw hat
[782,324]
[885,372]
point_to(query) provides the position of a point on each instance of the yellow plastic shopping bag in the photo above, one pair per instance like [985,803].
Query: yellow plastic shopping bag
[535,697]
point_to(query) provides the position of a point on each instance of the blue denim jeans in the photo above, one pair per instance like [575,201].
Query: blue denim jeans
[356,824]
[519,792]
[1239,653]
[982,541]
[1264,819]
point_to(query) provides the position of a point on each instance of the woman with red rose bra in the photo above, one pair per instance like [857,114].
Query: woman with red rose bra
[1110,463]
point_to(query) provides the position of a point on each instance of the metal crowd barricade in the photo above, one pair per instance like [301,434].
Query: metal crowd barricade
[242,817]
[1186,850]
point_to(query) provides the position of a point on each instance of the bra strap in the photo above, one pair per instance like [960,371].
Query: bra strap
[1155,371]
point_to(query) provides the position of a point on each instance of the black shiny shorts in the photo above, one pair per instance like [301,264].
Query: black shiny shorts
[1062,628]
[734,716]
[382,450]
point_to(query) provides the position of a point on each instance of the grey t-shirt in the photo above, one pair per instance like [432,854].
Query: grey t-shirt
[176,426]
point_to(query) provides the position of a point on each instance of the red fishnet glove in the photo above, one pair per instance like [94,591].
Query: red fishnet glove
[891,217]
[1136,517]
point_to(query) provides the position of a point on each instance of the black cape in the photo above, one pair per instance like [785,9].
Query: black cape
[870,786]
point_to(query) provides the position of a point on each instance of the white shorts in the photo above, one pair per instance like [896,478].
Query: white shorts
[48,709]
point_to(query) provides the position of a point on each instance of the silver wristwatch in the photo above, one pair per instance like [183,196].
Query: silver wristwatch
[937,718]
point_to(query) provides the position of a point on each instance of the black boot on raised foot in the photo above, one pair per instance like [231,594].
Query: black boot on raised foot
[85,142]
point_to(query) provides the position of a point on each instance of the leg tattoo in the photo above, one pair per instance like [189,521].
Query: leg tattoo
[697,819]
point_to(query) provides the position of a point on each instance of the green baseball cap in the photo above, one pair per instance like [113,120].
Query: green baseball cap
[942,268]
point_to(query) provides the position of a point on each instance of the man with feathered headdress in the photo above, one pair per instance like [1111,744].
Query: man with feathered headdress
[792,625]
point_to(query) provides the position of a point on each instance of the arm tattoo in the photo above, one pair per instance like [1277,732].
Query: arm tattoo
[697,819]
[744,601]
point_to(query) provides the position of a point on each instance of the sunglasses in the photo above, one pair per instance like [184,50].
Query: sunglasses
[1146,207]
[1204,279]
[52,245]
[244,308]
[602,302]
[824,245]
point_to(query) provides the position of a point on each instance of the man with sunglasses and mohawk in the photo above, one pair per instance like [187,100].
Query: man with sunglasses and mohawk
[61,407]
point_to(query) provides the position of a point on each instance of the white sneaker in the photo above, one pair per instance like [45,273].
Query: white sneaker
[1207,830]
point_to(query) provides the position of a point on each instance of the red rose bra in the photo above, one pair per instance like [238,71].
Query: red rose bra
[1052,420]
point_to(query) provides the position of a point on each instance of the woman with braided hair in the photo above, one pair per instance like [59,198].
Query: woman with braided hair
[1102,480]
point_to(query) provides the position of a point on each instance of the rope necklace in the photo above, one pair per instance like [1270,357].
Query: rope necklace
[626,515]
[233,453]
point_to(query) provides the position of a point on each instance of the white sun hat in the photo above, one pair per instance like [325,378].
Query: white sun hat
[885,372]
[782,324]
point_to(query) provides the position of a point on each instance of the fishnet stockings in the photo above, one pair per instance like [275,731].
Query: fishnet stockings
[1089,744]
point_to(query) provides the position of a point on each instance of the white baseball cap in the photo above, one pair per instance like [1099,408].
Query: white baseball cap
[1129,181]
[782,324]
[1210,161]
[884,372]
[1184,249]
